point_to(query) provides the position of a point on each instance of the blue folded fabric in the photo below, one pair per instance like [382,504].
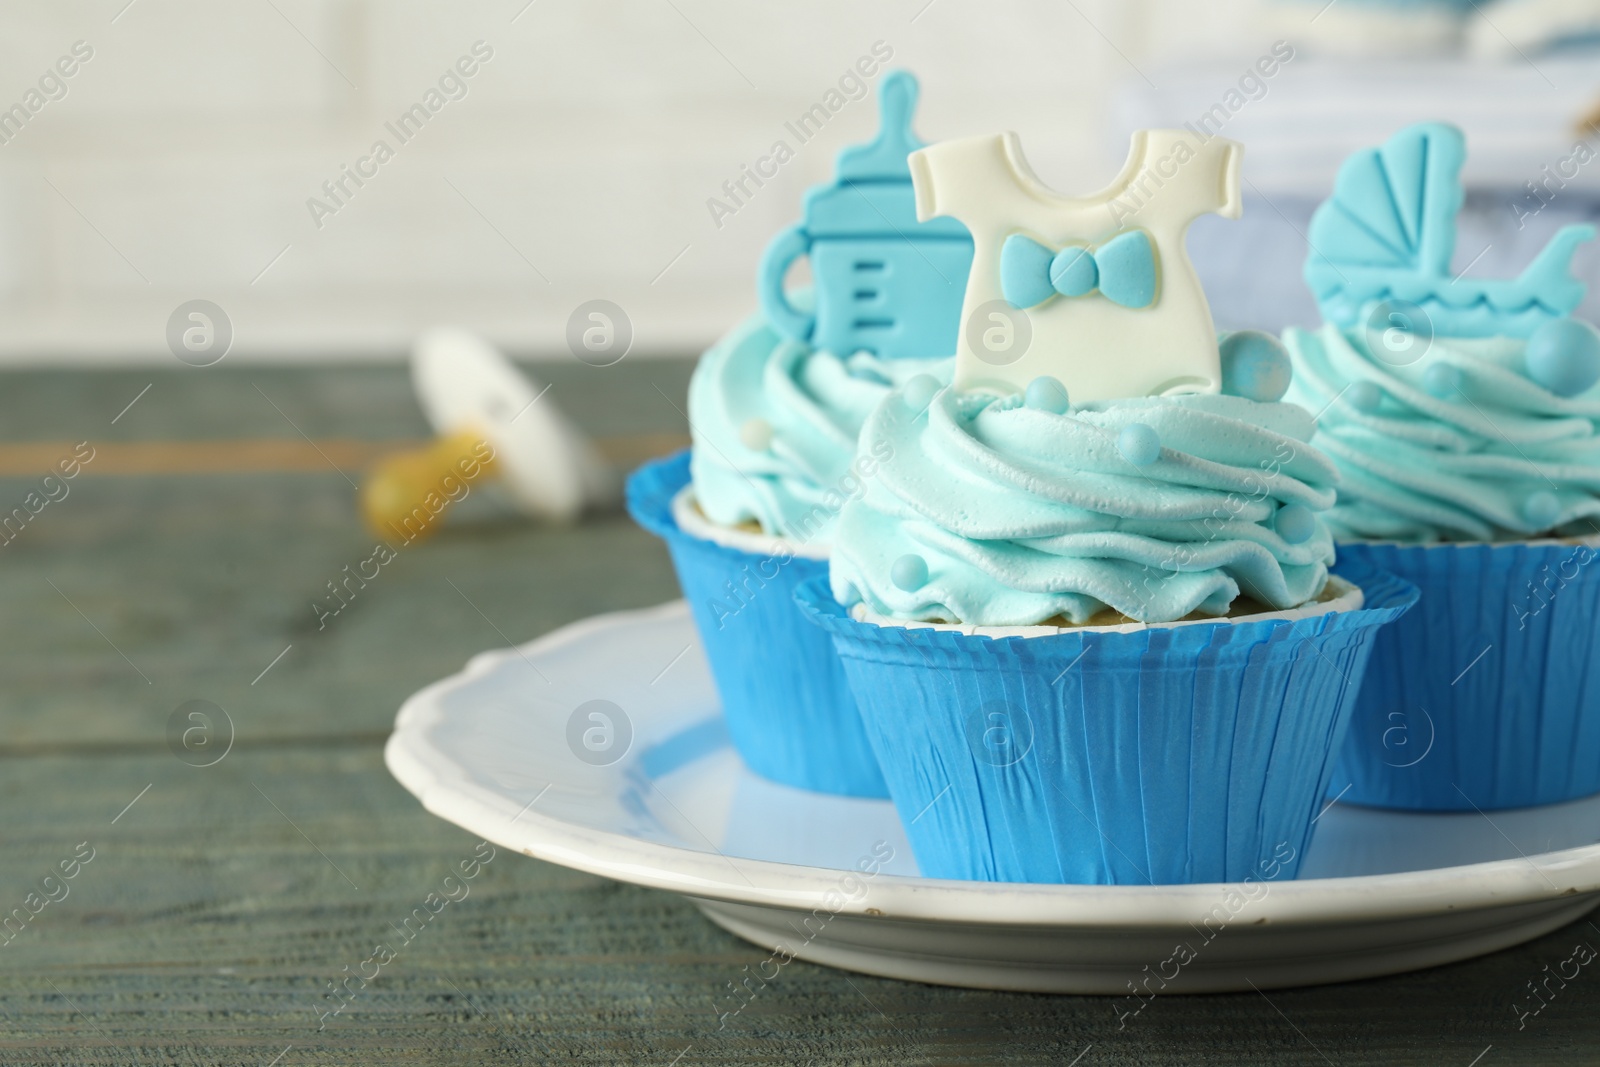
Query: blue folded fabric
[1488,695]
[784,694]
[1195,753]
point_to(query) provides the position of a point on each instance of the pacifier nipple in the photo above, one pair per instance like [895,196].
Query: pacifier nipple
[494,422]
[406,494]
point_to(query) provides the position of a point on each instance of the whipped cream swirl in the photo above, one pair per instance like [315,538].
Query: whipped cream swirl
[1021,515]
[1464,466]
[775,423]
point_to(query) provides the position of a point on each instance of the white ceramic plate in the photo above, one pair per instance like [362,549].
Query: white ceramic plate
[659,799]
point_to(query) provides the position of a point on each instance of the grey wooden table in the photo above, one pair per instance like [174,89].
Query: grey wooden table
[221,901]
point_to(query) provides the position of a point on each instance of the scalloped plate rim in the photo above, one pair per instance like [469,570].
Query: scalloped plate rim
[444,789]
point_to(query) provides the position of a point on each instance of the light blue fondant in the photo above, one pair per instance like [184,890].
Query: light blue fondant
[1365,397]
[1255,365]
[885,283]
[1139,444]
[1073,272]
[1295,523]
[1026,276]
[1047,394]
[1442,380]
[1542,509]
[1563,355]
[883,159]
[1123,270]
[793,322]
[1127,265]
[860,208]
[909,572]
[1388,233]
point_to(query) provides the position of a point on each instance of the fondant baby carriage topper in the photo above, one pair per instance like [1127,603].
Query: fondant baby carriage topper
[1381,248]
[1096,291]
[883,282]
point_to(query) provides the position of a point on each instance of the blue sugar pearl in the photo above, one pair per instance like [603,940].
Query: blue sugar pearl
[918,392]
[1295,523]
[909,572]
[1364,396]
[1255,365]
[1541,509]
[1443,381]
[1047,394]
[1563,355]
[1139,444]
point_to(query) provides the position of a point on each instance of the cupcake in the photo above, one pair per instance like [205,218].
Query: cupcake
[775,409]
[1092,631]
[1137,668]
[1465,423]
[748,512]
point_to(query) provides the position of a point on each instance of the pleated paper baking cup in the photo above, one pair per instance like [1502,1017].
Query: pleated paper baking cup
[1488,695]
[784,694]
[1157,755]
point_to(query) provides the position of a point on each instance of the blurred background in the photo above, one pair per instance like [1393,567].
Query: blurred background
[186,155]
[335,177]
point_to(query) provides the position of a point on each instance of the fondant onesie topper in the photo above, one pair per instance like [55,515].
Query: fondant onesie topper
[1096,291]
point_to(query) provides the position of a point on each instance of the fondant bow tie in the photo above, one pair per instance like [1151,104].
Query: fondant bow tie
[1123,269]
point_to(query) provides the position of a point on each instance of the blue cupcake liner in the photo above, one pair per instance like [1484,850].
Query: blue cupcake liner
[1488,695]
[1195,753]
[784,695]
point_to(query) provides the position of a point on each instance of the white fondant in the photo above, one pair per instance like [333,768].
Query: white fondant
[1098,349]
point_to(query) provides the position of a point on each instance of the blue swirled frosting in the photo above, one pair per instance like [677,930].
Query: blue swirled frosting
[808,405]
[1022,515]
[1464,466]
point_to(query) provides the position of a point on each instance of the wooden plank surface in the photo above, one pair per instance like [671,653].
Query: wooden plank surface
[220,904]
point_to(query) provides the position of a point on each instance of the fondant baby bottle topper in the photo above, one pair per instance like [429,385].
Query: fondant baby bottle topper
[1387,234]
[883,282]
[1094,291]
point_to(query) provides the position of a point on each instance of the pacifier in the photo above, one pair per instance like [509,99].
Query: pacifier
[493,424]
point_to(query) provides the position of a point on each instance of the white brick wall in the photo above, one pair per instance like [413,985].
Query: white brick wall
[179,163]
